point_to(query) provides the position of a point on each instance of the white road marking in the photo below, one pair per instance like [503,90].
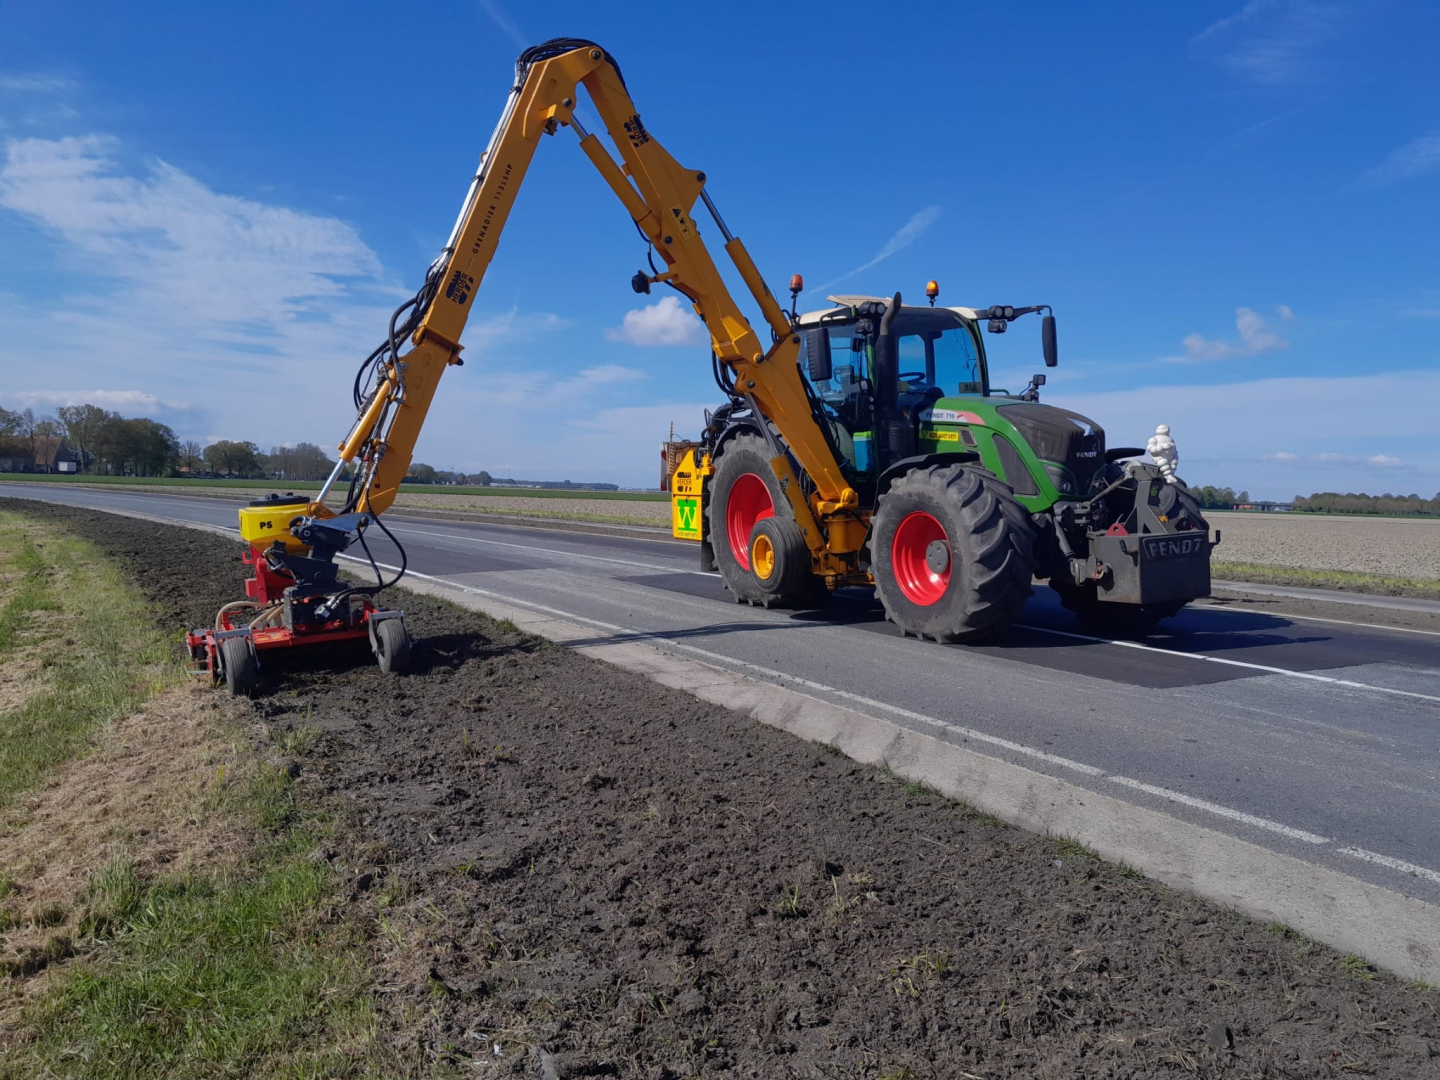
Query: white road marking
[1222,811]
[1267,668]
[1317,618]
[1393,864]
[1204,805]
[553,551]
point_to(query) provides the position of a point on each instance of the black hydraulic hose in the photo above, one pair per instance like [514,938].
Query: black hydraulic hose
[548,50]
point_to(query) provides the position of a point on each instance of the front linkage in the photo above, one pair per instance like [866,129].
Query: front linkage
[294,598]
[1136,552]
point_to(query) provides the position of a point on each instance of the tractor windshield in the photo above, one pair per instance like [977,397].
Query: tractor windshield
[936,351]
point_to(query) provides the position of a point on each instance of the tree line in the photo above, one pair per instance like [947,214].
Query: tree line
[1331,502]
[104,443]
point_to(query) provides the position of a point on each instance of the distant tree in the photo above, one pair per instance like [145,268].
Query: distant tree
[156,449]
[1213,498]
[192,456]
[138,447]
[27,428]
[9,422]
[420,474]
[303,461]
[49,428]
[484,479]
[1333,502]
[233,458]
[82,430]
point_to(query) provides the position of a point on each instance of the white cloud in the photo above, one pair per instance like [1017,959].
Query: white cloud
[1356,429]
[665,322]
[174,241]
[126,402]
[187,294]
[34,82]
[1272,41]
[1331,460]
[1256,337]
[1418,156]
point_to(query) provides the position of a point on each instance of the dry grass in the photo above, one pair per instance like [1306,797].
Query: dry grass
[79,648]
[148,796]
[1382,546]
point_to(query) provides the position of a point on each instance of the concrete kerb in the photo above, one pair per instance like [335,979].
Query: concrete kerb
[1392,931]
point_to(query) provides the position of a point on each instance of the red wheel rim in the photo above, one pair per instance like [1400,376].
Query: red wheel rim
[749,502]
[918,581]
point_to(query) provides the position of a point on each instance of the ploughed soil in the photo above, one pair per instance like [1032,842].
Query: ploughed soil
[571,871]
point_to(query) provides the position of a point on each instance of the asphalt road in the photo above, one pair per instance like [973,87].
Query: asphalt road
[1317,738]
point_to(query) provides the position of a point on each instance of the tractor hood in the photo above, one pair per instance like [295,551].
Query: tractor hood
[1059,435]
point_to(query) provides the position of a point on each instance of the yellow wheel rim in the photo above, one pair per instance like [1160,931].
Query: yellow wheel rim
[762,557]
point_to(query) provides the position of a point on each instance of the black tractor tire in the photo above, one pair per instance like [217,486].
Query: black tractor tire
[1107,619]
[743,475]
[240,666]
[974,537]
[779,560]
[392,646]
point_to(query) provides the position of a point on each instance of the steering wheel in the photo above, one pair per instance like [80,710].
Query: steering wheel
[911,376]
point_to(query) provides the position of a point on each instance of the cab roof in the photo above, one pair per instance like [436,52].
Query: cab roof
[813,318]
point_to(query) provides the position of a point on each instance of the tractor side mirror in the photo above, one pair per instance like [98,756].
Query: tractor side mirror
[817,354]
[1047,341]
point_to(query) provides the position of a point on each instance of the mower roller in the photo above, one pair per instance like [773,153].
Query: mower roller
[294,598]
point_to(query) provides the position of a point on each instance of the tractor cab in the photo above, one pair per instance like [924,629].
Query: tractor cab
[927,391]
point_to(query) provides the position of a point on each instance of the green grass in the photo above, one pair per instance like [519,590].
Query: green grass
[1344,580]
[248,970]
[19,555]
[233,973]
[314,485]
[101,659]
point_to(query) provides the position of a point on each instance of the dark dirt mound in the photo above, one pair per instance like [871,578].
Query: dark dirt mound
[641,885]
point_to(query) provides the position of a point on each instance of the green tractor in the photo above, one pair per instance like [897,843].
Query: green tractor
[974,491]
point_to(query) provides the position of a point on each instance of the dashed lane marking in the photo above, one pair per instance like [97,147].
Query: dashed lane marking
[1205,658]
[554,551]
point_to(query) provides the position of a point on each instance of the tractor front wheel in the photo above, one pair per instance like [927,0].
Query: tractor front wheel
[951,551]
[744,494]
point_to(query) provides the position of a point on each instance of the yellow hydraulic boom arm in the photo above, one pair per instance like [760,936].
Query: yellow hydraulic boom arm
[659,195]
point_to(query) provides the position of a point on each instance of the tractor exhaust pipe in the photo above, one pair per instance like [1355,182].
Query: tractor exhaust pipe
[894,430]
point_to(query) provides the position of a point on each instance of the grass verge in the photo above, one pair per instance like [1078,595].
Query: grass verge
[28,586]
[169,904]
[243,970]
[100,653]
[1339,580]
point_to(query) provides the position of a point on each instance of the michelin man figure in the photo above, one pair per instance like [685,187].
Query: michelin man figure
[1161,447]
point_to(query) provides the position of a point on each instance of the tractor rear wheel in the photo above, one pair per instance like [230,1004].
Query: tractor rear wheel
[240,666]
[951,551]
[743,494]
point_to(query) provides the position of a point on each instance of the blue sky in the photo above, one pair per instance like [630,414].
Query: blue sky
[207,211]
